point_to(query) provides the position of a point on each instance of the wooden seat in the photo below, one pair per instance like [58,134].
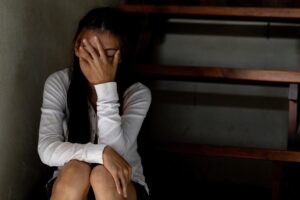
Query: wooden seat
[290,79]
[216,11]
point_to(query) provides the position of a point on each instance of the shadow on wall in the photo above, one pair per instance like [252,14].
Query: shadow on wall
[46,31]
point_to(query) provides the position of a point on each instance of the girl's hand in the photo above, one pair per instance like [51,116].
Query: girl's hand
[94,63]
[118,168]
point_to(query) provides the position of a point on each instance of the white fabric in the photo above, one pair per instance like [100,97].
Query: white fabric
[119,132]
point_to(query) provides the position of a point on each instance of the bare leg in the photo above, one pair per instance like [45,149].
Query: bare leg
[105,188]
[72,182]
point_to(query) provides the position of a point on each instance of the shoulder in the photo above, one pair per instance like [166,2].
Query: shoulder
[56,87]
[138,91]
[59,78]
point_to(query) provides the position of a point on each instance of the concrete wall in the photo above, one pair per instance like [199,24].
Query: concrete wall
[35,41]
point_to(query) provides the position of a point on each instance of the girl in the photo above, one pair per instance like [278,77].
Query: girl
[82,130]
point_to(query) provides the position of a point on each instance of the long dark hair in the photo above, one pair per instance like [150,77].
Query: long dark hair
[104,19]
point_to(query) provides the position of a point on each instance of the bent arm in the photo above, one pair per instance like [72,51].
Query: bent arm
[52,147]
[120,132]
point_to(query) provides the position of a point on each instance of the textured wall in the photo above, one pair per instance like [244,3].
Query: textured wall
[35,40]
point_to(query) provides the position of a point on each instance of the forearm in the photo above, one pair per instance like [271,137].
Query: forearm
[120,132]
[56,153]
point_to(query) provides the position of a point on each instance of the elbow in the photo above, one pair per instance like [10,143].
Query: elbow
[44,156]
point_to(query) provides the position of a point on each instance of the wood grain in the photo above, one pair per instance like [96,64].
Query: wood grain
[217,11]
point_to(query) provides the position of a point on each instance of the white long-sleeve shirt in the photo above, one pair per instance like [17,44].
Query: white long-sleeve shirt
[119,132]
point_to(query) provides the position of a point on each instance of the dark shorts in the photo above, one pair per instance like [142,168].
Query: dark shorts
[141,192]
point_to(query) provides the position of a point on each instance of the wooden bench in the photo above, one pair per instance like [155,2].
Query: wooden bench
[290,79]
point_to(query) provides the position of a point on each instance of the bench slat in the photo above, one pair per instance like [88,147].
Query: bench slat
[235,152]
[273,76]
[215,11]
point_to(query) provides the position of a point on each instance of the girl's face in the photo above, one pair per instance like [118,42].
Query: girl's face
[110,42]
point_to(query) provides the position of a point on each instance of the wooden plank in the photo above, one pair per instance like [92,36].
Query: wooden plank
[216,11]
[235,152]
[293,115]
[274,76]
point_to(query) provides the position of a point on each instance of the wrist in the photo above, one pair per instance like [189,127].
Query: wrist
[106,151]
[107,91]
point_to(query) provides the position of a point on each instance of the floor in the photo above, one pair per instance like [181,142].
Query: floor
[168,178]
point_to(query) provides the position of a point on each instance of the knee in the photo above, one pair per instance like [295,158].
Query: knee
[75,169]
[76,165]
[73,179]
[101,178]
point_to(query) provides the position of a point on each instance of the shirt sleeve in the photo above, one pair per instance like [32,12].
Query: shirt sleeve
[120,132]
[52,148]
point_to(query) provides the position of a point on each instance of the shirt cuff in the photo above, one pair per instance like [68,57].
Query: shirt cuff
[107,91]
[94,153]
